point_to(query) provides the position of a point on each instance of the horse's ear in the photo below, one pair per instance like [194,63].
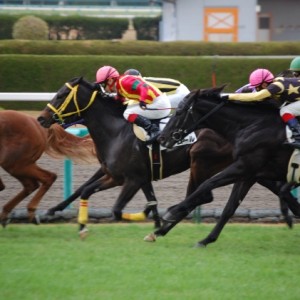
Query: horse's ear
[220,88]
[76,80]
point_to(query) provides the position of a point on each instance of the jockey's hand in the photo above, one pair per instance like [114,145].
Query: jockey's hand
[143,105]
[225,98]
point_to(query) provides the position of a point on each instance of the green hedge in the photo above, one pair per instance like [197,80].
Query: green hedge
[47,73]
[153,48]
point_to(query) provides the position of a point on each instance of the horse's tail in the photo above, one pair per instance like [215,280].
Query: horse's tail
[61,143]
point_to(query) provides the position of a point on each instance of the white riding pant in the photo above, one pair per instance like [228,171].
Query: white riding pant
[161,106]
[180,93]
[291,108]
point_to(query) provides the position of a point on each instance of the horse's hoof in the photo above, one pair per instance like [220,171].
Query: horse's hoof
[289,222]
[200,245]
[5,222]
[50,212]
[83,233]
[36,220]
[150,237]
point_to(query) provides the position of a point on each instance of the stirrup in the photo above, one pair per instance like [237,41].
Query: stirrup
[152,139]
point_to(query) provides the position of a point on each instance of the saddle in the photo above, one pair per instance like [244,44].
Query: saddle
[155,148]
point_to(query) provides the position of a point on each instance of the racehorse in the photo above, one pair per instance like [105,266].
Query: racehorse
[22,142]
[257,134]
[124,158]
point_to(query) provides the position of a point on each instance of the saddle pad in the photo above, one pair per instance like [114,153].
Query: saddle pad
[293,175]
[142,135]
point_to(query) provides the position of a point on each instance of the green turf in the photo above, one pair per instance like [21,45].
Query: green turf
[51,262]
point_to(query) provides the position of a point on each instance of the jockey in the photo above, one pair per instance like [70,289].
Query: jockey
[282,89]
[174,89]
[147,101]
[295,66]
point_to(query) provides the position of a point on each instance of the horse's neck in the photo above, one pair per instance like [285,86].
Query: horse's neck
[228,121]
[107,131]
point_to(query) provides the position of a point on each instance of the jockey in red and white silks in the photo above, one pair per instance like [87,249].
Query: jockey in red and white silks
[144,101]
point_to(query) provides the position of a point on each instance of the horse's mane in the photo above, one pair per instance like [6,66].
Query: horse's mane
[215,93]
[116,107]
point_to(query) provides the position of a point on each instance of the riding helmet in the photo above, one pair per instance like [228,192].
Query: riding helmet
[295,64]
[133,72]
[105,73]
[260,76]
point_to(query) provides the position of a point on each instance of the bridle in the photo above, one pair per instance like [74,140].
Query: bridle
[180,133]
[58,113]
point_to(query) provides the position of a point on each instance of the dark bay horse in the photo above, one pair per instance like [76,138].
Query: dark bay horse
[124,158]
[257,134]
[22,142]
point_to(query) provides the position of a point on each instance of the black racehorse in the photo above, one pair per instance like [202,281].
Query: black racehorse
[125,159]
[257,134]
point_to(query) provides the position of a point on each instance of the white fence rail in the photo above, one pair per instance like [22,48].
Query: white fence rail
[26,96]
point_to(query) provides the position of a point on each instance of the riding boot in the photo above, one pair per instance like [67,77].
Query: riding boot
[295,128]
[152,129]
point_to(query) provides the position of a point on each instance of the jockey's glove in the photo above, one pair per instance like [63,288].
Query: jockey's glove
[143,105]
[224,98]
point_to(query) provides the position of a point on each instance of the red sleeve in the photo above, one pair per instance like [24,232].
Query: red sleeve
[143,87]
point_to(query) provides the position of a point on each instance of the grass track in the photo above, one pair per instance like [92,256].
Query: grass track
[50,262]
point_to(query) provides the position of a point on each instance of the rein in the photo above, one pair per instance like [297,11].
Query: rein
[181,133]
[58,112]
[204,118]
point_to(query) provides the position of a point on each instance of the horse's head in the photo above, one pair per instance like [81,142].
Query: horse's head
[70,101]
[186,118]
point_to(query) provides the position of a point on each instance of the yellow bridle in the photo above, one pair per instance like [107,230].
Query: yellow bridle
[59,112]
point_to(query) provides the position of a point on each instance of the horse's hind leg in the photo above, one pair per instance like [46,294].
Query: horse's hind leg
[150,206]
[274,187]
[285,194]
[36,175]
[29,186]
[128,191]
[11,204]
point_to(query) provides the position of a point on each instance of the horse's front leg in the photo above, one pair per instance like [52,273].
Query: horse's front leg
[104,183]
[238,194]
[62,205]
[202,195]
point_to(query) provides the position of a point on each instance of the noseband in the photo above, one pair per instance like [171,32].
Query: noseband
[58,113]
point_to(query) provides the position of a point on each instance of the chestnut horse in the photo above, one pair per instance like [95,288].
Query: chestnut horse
[22,143]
